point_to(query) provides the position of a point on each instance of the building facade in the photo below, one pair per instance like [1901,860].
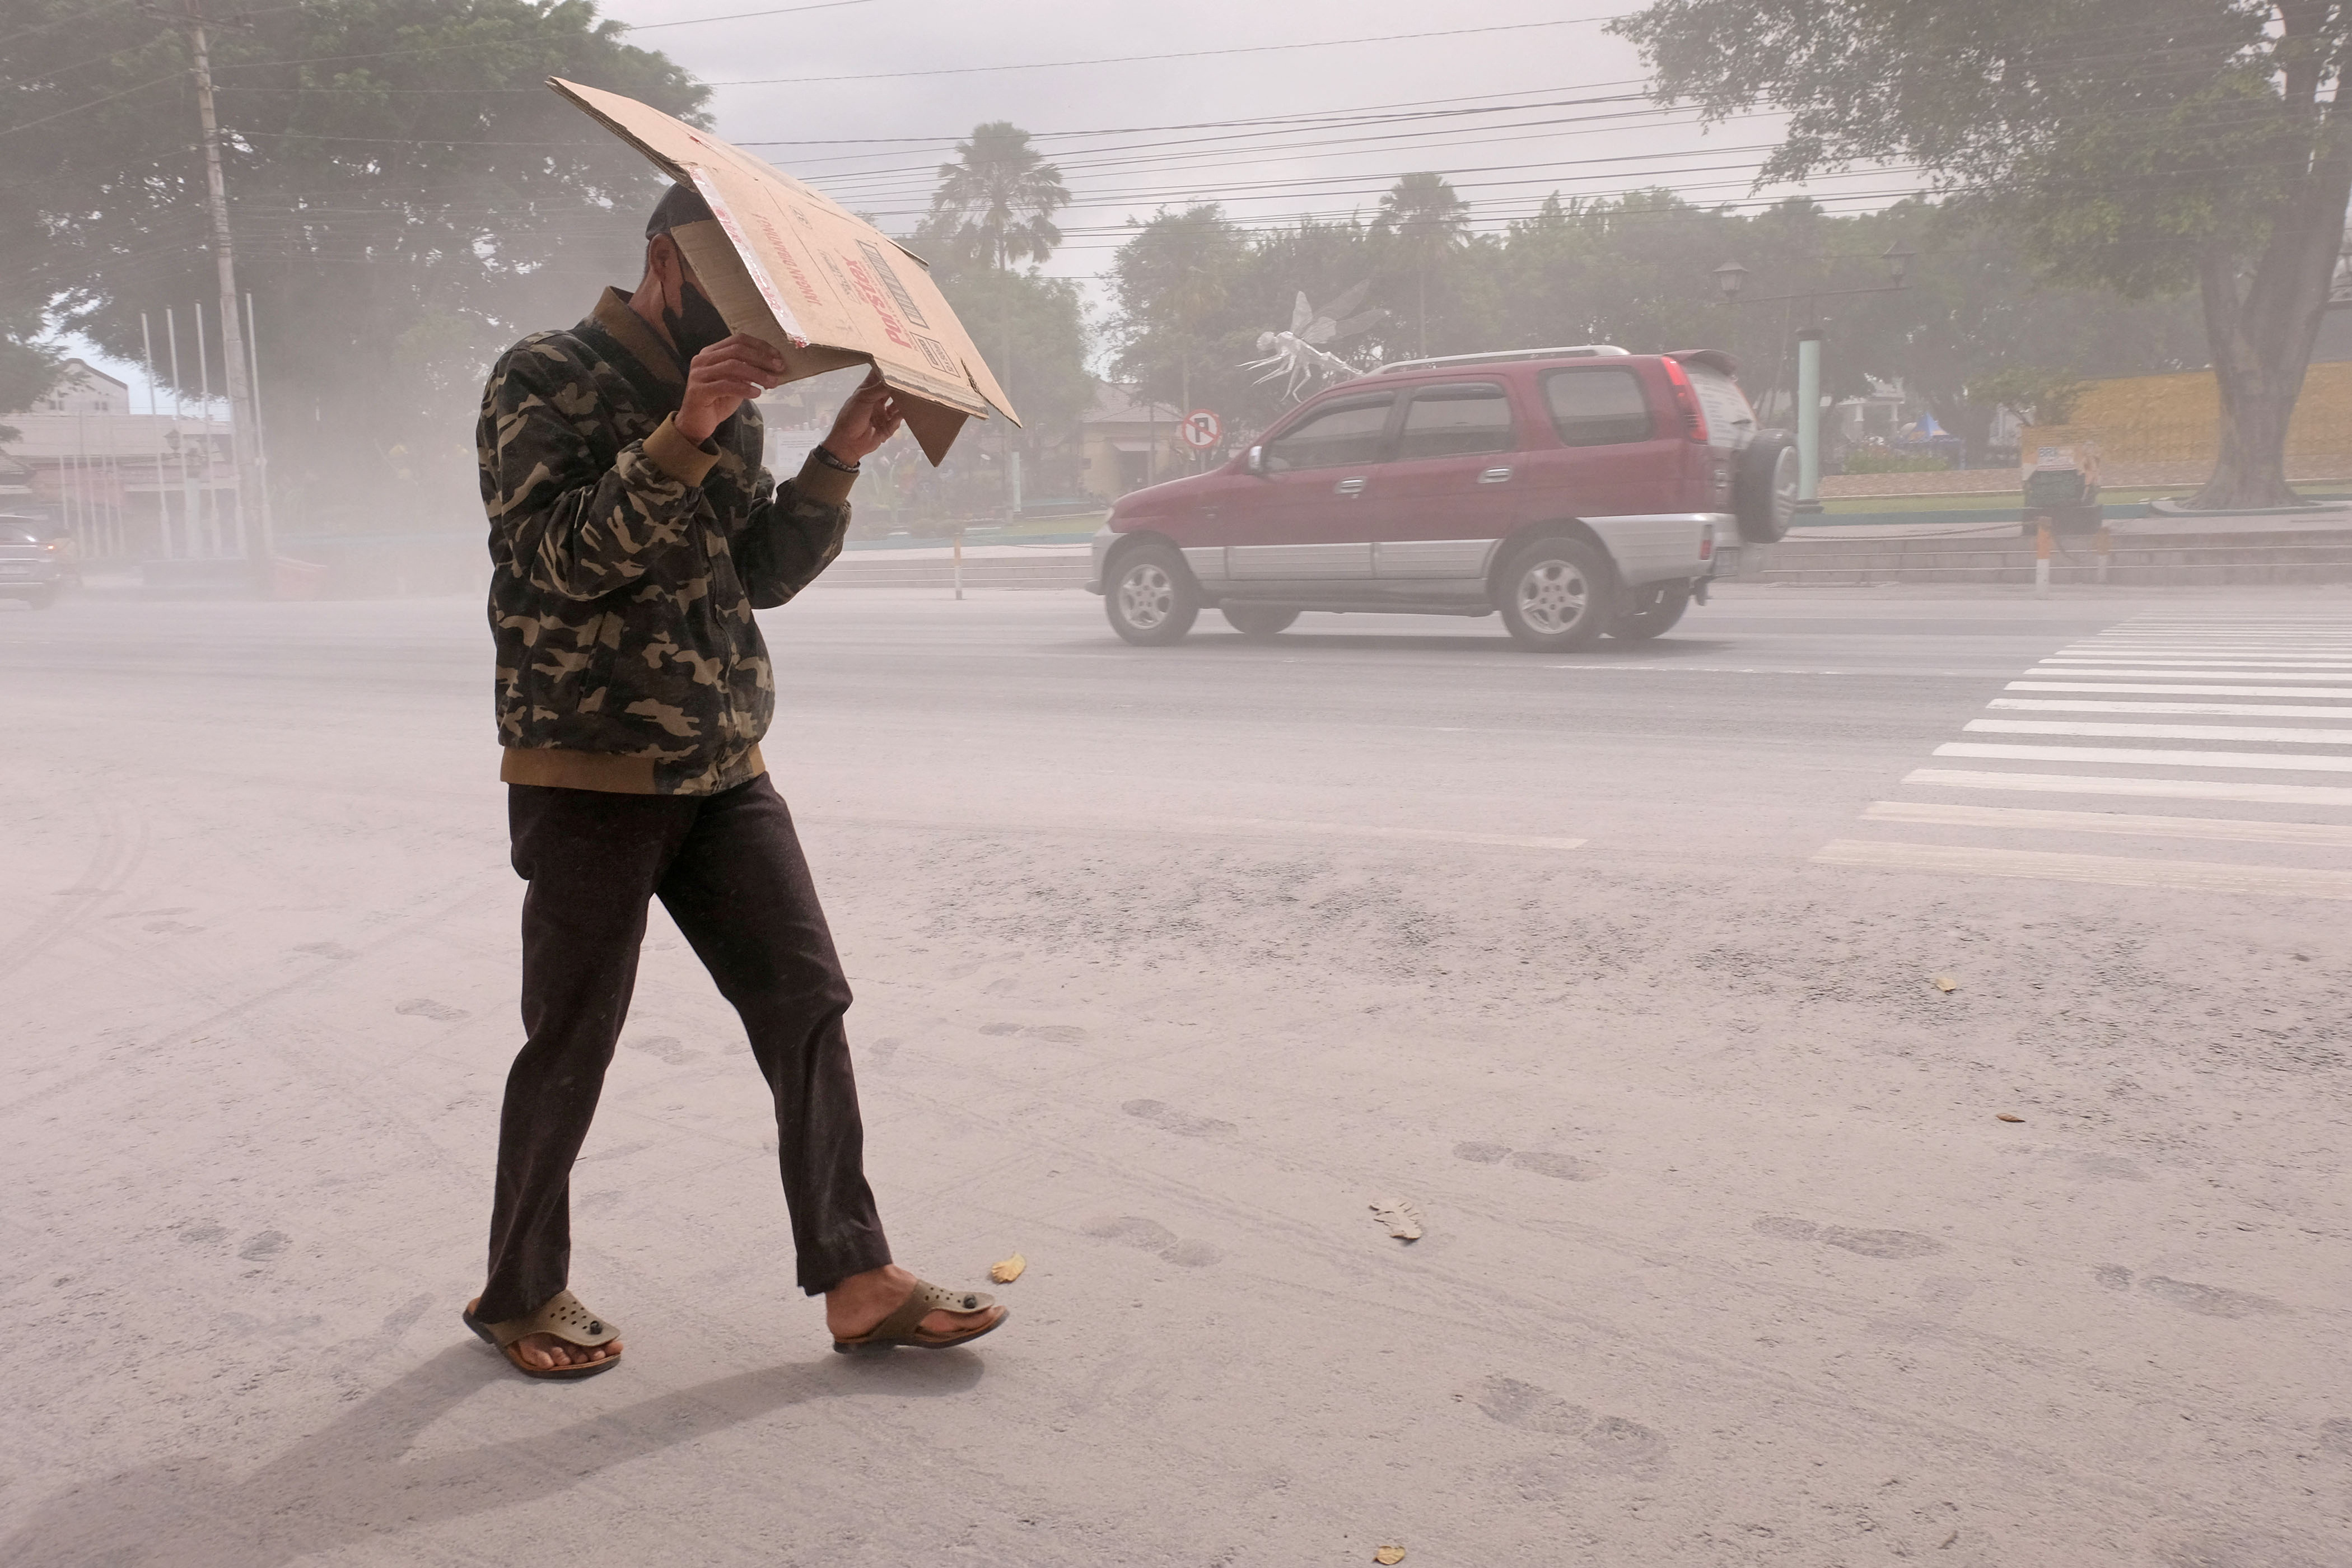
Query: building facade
[122,485]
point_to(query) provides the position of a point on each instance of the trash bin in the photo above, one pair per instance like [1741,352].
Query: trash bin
[2061,486]
[292,579]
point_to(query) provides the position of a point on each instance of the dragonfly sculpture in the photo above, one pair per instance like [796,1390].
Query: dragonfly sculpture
[1298,355]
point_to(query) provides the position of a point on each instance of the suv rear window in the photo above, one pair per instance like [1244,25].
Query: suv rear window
[1730,422]
[1597,407]
[1333,437]
[1455,420]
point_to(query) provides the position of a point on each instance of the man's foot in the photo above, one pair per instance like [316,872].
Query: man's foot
[562,1339]
[545,1351]
[857,1305]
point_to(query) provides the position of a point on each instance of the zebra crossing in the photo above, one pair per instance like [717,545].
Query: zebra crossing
[2188,708]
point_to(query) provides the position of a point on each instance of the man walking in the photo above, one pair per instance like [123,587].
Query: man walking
[632,531]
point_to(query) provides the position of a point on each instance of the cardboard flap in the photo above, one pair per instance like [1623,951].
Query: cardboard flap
[792,267]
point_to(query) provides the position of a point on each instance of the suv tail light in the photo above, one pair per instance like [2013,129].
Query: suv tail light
[1707,542]
[1686,401]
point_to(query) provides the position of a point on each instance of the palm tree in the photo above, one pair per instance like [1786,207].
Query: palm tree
[1000,197]
[1424,212]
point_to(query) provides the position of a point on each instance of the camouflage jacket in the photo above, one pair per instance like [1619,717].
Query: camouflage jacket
[628,562]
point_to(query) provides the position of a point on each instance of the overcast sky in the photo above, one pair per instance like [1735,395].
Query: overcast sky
[1135,102]
[1515,97]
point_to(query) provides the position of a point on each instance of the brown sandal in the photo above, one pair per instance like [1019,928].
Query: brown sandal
[905,1325]
[563,1317]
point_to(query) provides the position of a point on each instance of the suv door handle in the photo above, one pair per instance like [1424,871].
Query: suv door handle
[1348,488]
[1495,477]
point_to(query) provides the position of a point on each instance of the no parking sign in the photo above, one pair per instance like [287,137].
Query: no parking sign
[1202,429]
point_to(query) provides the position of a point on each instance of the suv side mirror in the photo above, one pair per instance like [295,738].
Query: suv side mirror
[1254,463]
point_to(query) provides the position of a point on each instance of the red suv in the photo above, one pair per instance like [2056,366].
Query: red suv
[1577,490]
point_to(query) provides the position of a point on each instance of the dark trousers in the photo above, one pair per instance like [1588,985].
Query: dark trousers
[729,869]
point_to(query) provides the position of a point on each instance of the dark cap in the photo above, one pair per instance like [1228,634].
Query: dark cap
[684,204]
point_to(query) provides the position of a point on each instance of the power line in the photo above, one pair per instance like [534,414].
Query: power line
[742,15]
[1175,55]
[963,71]
[65,21]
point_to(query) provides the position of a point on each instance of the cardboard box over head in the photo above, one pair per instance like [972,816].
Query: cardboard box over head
[800,272]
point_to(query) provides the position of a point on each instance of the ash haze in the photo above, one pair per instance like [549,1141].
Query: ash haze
[920,75]
[1508,964]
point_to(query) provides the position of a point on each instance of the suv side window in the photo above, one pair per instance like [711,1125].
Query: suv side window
[1337,436]
[1457,420]
[1597,407]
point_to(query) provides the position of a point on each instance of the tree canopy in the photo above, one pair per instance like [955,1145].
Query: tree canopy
[1192,290]
[997,200]
[2143,146]
[406,198]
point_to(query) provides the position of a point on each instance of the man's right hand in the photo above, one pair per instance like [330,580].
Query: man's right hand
[720,378]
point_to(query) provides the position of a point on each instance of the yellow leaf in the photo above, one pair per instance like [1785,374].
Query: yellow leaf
[1946,982]
[1389,1554]
[1006,1272]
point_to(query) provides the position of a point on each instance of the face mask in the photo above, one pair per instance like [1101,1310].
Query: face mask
[695,324]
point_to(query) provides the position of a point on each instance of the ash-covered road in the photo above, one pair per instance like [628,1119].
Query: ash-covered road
[1619,966]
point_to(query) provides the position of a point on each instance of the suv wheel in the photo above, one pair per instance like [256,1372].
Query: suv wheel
[1152,600]
[1257,621]
[1556,592]
[1653,610]
[1764,492]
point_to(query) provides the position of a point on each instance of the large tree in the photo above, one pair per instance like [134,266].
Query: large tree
[998,197]
[406,197]
[1172,282]
[2145,145]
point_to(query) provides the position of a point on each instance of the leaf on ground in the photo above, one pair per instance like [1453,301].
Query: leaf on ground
[1389,1554]
[2005,1116]
[1946,982]
[1006,1272]
[1403,1220]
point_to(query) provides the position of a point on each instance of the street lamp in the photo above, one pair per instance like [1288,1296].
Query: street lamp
[1731,278]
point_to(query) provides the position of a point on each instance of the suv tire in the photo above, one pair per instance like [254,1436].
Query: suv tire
[1556,594]
[40,598]
[1764,492]
[1258,621]
[1150,599]
[1652,611]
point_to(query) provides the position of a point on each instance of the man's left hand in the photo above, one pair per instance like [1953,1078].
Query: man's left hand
[871,416]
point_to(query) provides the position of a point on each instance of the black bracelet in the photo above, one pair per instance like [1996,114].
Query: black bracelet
[830,461]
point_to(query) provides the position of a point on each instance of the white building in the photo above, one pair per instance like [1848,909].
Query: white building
[124,485]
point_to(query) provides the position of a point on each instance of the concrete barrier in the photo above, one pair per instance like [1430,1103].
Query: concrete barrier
[2138,560]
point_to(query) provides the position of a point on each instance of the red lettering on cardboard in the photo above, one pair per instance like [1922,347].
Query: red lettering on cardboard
[875,297]
[785,253]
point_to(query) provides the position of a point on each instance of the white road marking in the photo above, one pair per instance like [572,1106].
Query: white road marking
[2303,645]
[2184,690]
[2114,870]
[1362,830]
[2147,758]
[2112,672]
[2326,835]
[2246,733]
[2160,789]
[2262,710]
[1243,827]
[2182,661]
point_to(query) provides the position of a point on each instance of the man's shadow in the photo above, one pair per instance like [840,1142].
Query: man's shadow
[350,1482]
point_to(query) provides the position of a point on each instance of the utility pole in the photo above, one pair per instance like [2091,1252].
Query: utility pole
[243,421]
